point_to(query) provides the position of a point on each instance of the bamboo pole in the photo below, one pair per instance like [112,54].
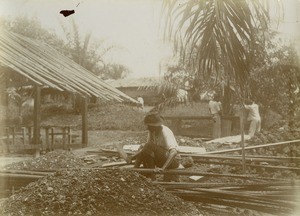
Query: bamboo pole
[264,157]
[37,115]
[245,196]
[20,176]
[249,158]
[26,172]
[186,172]
[262,207]
[256,186]
[249,165]
[242,140]
[84,129]
[73,76]
[76,71]
[9,64]
[208,156]
[31,54]
[255,147]
[23,63]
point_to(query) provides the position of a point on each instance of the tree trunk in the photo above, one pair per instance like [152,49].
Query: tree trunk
[226,127]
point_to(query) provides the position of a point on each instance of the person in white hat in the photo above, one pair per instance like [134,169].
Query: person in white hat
[161,149]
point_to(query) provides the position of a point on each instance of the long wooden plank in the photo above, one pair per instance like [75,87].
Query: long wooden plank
[187,172]
[263,156]
[249,186]
[290,168]
[26,172]
[20,176]
[255,147]
[249,158]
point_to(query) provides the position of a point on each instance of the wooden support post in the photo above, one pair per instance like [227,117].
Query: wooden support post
[23,134]
[29,135]
[37,115]
[69,138]
[64,137]
[7,140]
[13,135]
[52,139]
[243,139]
[37,119]
[84,121]
[47,138]
[7,134]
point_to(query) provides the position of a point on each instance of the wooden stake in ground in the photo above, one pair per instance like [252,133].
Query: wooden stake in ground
[242,139]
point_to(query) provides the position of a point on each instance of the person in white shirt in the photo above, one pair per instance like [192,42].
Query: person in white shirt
[254,117]
[161,149]
[141,101]
[215,108]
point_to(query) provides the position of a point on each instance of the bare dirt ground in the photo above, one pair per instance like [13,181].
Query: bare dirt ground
[122,124]
[51,187]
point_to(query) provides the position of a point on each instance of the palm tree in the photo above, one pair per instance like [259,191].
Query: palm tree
[222,34]
[217,36]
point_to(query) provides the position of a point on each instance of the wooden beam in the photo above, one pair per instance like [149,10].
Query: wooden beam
[196,117]
[249,158]
[187,172]
[84,111]
[255,147]
[37,115]
[242,140]
[251,186]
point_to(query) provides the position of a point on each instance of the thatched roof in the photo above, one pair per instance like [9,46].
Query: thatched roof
[135,82]
[45,66]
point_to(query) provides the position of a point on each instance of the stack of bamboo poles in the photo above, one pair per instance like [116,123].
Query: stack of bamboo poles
[269,195]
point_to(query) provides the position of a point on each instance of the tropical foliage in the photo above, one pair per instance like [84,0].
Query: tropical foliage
[216,36]
[275,77]
[32,28]
[113,71]
[227,45]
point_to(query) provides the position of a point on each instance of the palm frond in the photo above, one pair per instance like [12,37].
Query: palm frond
[220,32]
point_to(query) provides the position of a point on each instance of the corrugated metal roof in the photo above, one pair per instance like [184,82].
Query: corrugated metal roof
[43,65]
[135,82]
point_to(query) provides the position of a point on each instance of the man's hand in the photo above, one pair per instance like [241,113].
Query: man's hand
[158,170]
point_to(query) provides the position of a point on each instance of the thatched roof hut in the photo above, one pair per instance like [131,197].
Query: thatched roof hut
[41,65]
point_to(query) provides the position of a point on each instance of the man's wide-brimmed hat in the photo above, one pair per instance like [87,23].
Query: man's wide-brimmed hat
[153,119]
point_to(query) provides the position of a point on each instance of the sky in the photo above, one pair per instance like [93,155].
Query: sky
[131,25]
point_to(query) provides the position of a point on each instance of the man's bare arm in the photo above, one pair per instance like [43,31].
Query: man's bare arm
[172,154]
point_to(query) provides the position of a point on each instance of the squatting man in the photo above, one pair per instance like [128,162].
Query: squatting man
[160,152]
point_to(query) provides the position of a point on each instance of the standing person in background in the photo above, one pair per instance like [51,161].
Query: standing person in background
[215,109]
[254,117]
[141,101]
